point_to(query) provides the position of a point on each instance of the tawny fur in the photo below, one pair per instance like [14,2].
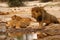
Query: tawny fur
[18,22]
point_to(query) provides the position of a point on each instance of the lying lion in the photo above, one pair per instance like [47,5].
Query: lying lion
[18,22]
[43,16]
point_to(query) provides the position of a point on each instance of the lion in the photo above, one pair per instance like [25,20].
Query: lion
[43,16]
[18,22]
[13,22]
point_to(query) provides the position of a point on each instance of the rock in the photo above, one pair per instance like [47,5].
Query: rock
[56,37]
[53,29]
[49,32]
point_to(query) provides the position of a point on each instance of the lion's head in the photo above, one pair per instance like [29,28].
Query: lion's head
[36,11]
[15,17]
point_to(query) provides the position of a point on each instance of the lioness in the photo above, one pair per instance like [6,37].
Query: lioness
[18,22]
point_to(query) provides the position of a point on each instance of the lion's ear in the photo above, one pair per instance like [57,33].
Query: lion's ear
[42,9]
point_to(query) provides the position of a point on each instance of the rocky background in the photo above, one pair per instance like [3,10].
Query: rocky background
[51,32]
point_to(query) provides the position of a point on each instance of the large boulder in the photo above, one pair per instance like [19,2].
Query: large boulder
[56,37]
[53,29]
